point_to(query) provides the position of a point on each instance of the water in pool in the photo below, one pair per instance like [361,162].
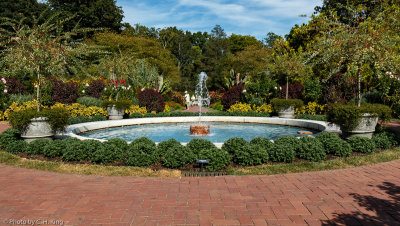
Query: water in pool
[219,132]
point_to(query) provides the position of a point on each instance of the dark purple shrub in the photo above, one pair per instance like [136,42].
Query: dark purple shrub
[295,91]
[14,86]
[152,100]
[96,87]
[339,88]
[232,96]
[64,92]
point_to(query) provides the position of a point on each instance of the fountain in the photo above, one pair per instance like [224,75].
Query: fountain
[203,98]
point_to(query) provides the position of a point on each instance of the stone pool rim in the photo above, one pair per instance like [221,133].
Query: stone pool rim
[75,129]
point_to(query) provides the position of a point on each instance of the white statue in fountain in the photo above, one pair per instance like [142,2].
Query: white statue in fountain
[203,98]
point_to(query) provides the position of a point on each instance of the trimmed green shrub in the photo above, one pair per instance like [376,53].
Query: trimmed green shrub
[250,155]
[77,150]
[84,118]
[311,149]
[282,152]
[278,104]
[293,142]
[311,117]
[234,144]
[362,144]
[16,146]
[327,139]
[196,145]
[382,140]
[89,101]
[141,154]
[54,149]
[143,140]
[263,142]
[176,155]
[219,159]
[36,147]
[118,104]
[164,146]
[8,136]
[113,150]
[333,144]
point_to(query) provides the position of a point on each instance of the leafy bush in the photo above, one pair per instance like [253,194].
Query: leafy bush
[113,150]
[362,144]
[263,142]
[256,101]
[240,107]
[177,98]
[250,155]
[234,144]
[58,118]
[16,146]
[278,104]
[118,104]
[96,88]
[311,117]
[19,98]
[218,106]
[14,86]
[232,96]
[89,101]
[293,142]
[80,150]
[311,149]
[196,145]
[295,91]
[312,90]
[54,149]
[8,136]
[84,118]
[312,108]
[282,152]
[152,100]
[36,147]
[219,159]
[174,155]
[141,154]
[164,146]
[64,92]
[333,144]
[382,140]
[348,116]
[143,140]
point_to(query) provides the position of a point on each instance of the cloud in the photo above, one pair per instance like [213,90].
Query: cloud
[250,17]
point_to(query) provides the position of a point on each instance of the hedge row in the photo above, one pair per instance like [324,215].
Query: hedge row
[171,154]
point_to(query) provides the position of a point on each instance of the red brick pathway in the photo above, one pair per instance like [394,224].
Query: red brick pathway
[357,196]
[195,109]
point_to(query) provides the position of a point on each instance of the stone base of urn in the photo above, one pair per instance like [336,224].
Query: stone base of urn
[200,130]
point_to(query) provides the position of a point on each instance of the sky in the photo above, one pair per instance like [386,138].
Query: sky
[243,17]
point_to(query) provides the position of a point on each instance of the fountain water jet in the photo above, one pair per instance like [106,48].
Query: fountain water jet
[203,98]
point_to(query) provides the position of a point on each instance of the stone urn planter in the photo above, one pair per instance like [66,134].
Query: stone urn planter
[286,112]
[38,128]
[114,113]
[365,128]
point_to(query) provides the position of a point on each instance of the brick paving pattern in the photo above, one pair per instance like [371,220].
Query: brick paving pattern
[359,196]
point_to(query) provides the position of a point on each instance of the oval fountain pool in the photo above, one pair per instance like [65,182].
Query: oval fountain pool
[219,132]
[222,128]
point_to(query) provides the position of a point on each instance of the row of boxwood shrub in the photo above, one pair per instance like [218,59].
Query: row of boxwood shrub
[180,114]
[84,118]
[171,154]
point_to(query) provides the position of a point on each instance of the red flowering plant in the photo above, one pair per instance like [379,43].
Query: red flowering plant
[117,93]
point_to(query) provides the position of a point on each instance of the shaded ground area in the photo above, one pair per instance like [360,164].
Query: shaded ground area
[195,109]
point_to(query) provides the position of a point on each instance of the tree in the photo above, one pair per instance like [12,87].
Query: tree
[286,64]
[22,9]
[251,61]
[39,51]
[240,42]
[91,13]
[363,52]
[216,58]
[271,38]
[141,48]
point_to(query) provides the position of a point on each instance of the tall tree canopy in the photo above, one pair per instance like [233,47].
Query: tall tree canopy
[91,13]
[22,9]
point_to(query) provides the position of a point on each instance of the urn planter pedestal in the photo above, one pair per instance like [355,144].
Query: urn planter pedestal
[365,128]
[38,128]
[114,113]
